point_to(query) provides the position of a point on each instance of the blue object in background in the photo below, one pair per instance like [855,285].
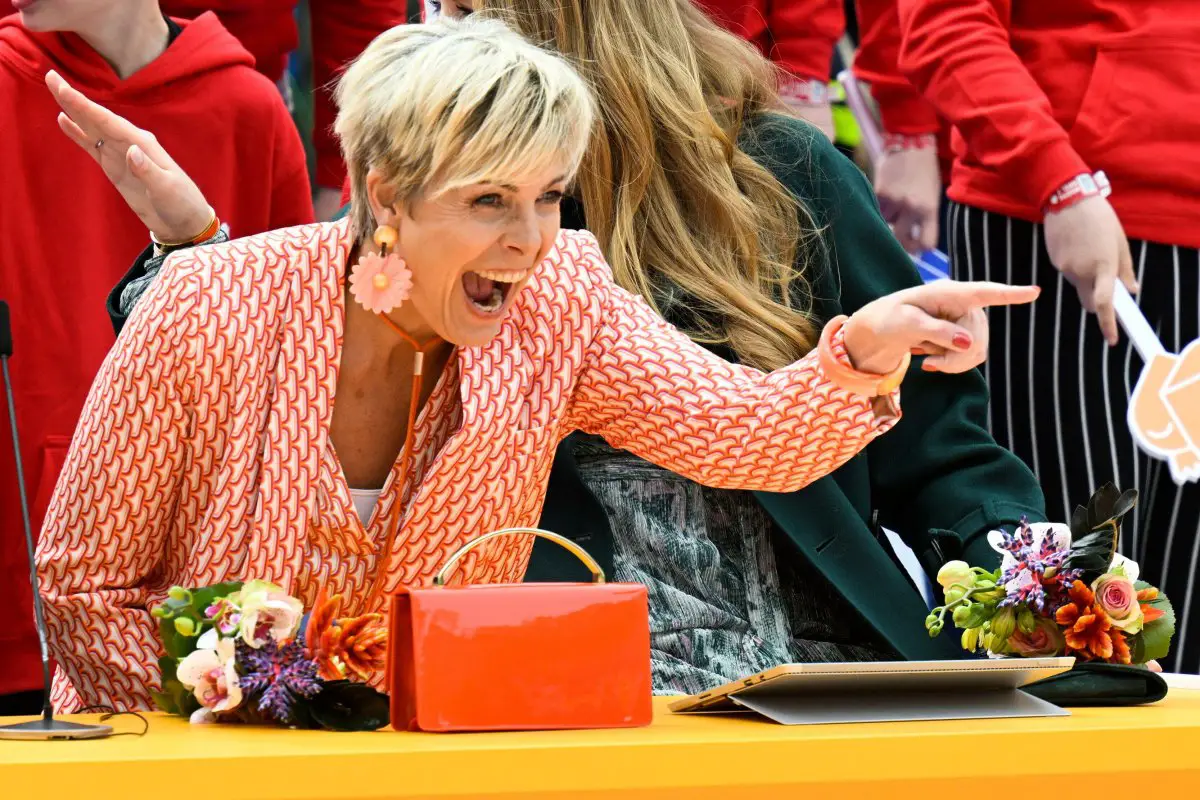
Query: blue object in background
[934,265]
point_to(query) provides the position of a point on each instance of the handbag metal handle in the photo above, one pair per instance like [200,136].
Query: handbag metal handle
[575,550]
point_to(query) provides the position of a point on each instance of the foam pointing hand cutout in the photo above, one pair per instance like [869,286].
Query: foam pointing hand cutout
[1164,412]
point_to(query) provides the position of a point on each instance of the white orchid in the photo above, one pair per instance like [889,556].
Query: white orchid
[211,675]
[1125,567]
[268,613]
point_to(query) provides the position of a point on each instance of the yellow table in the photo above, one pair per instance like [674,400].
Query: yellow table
[1150,752]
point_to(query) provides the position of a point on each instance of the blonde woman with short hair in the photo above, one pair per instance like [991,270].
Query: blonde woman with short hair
[344,404]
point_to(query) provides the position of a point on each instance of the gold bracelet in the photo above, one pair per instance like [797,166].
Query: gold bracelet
[209,231]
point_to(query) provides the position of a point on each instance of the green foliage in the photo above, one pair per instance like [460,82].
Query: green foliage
[1096,530]
[188,605]
[1154,641]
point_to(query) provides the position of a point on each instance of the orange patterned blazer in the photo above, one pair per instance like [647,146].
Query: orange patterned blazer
[201,454]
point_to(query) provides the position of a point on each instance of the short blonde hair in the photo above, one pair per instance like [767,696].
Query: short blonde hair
[453,103]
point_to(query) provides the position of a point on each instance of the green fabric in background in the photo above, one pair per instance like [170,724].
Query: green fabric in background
[300,77]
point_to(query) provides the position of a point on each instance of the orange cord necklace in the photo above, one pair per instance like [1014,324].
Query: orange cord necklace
[385,554]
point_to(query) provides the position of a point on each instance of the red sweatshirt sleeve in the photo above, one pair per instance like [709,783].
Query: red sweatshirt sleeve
[901,106]
[340,31]
[957,53]
[804,34]
[291,191]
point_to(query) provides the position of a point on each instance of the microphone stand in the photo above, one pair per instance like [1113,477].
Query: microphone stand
[46,728]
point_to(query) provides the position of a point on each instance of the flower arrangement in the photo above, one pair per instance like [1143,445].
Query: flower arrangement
[1060,590]
[246,652]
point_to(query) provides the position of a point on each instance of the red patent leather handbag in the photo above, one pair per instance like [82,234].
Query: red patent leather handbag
[526,656]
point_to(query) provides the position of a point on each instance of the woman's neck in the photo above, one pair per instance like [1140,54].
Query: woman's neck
[128,35]
[373,341]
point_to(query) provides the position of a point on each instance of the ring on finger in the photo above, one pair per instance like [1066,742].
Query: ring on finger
[99,143]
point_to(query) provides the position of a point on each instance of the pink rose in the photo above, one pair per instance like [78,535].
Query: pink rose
[1117,597]
[1046,639]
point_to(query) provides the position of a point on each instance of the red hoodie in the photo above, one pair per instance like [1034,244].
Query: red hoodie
[341,29]
[1039,92]
[901,106]
[66,237]
[902,109]
[798,35]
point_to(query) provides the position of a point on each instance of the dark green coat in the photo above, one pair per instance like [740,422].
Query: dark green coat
[937,479]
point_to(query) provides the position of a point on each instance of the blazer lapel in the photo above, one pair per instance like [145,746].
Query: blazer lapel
[856,564]
[442,515]
[304,382]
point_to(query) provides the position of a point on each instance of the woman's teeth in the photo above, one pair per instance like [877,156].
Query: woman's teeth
[504,277]
[487,290]
[493,303]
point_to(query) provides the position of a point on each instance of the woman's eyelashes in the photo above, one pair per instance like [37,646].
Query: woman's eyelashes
[497,200]
[491,200]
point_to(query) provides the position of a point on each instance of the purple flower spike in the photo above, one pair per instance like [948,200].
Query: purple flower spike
[1033,573]
[280,674]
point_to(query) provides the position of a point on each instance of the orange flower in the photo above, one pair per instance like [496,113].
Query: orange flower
[355,645]
[1088,630]
[1149,612]
[1121,654]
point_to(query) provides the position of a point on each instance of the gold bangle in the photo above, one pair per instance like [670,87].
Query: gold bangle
[210,229]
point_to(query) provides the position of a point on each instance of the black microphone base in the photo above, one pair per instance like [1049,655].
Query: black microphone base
[52,729]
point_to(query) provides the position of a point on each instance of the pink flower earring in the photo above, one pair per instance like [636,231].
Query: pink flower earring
[381,282]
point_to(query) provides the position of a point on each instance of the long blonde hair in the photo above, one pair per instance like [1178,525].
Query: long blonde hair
[671,196]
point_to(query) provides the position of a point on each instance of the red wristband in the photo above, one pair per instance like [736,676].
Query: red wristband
[1078,189]
[896,142]
[804,91]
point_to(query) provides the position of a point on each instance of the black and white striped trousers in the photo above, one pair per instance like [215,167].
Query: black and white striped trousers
[1060,394]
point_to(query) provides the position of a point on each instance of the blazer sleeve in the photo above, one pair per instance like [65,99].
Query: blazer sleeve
[939,474]
[113,509]
[291,191]
[902,108]
[647,388]
[957,53]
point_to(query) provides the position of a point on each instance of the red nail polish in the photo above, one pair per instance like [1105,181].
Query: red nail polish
[962,341]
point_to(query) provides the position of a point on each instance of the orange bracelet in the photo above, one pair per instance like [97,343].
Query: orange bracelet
[210,230]
[836,365]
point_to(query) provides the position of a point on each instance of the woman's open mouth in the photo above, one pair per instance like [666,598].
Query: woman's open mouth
[487,290]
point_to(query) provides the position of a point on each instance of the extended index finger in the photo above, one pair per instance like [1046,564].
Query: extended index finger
[957,296]
[982,294]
